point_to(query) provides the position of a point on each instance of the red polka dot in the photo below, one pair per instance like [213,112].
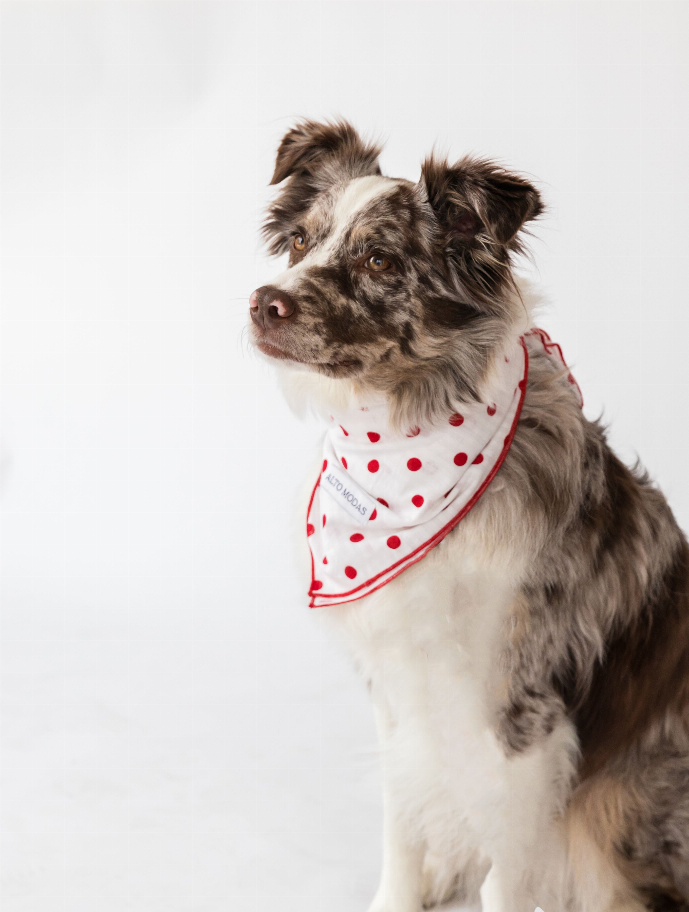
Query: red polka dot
[384,502]
[414,432]
[309,529]
[414,464]
[507,360]
[522,384]
[325,560]
[460,459]
[324,518]
[447,493]
[570,378]
[394,542]
[346,433]
[417,500]
[456,419]
[350,572]
[344,462]
[478,460]
[316,584]
[373,465]
[357,537]
[325,465]
[491,409]
[372,436]
[373,515]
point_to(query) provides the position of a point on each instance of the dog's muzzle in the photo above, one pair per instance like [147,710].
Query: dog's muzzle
[271,308]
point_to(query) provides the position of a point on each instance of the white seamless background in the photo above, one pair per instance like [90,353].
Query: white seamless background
[177,733]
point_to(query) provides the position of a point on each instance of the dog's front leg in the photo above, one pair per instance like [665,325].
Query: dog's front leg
[500,892]
[400,883]
[401,879]
[524,835]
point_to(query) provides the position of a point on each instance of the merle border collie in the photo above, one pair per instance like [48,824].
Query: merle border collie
[530,674]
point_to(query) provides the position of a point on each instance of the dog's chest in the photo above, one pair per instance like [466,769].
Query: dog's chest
[429,644]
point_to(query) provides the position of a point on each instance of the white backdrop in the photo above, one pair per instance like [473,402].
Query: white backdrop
[177,733]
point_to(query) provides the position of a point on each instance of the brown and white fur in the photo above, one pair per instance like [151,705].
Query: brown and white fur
[530,677]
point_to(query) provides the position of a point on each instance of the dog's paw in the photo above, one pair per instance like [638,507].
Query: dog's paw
[383,902]
[438,885]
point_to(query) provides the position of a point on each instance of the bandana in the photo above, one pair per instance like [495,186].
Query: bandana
[385,497]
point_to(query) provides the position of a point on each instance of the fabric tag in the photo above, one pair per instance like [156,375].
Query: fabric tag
[348,494]
[409,487]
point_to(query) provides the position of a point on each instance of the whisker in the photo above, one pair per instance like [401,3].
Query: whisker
[244,343]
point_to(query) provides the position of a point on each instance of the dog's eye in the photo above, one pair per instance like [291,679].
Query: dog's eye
[377,263]
[299,242]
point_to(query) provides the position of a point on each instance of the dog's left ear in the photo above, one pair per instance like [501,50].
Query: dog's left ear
[310,147]
[477,197]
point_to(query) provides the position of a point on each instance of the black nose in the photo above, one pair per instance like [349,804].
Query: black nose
[270,306]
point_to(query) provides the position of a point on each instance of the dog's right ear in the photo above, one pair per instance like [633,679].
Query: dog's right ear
[311,157]
[331,147]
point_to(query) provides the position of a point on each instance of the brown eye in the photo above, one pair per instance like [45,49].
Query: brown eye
[299,242]
[377,264]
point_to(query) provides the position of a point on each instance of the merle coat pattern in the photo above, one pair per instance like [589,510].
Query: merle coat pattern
[551,626]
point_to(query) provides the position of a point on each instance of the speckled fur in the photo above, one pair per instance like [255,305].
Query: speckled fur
[531,675]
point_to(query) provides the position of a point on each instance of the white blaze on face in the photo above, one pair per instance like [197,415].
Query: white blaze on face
[357,194]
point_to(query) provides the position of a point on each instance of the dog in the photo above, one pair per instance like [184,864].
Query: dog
[528,655]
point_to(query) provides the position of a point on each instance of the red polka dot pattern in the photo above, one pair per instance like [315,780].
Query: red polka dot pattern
[432,457]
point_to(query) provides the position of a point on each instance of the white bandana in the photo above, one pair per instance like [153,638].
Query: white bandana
[385,498]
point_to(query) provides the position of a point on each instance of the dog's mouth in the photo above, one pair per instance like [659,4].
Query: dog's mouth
[274,352]
[343,366]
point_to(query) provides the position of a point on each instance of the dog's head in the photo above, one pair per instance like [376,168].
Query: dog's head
[401,288]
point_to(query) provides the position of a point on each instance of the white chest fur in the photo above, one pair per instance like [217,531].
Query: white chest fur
[429,644]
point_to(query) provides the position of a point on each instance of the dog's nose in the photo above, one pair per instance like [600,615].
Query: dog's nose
[270,306]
